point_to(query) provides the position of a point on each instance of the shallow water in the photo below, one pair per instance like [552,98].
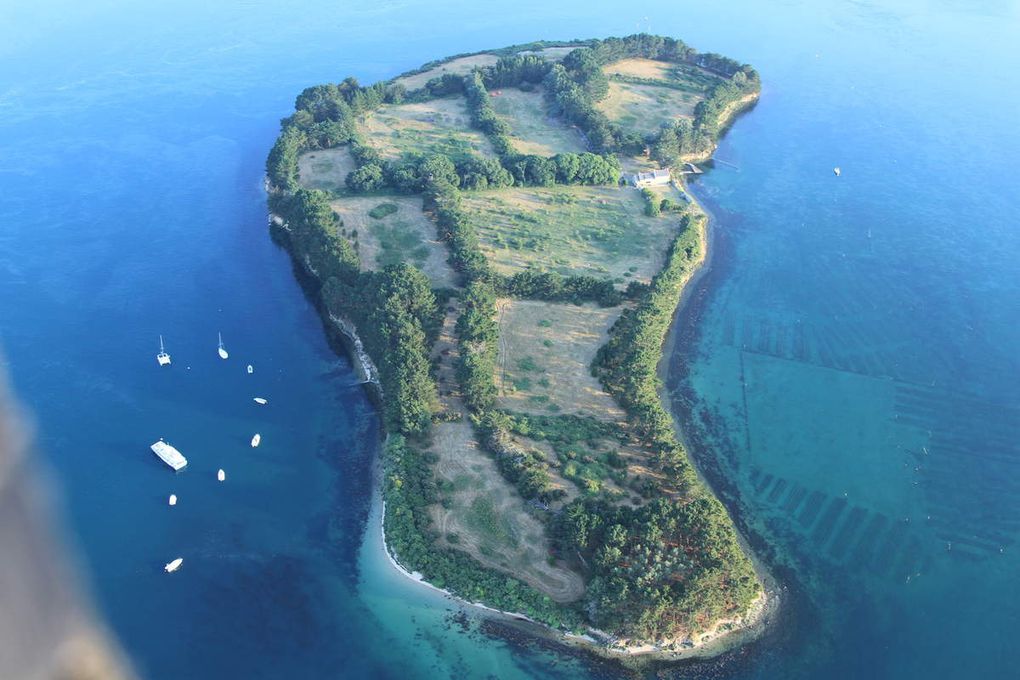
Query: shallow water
[847,327]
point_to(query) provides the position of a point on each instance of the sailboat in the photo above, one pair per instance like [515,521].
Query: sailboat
[163,358]
[223,352]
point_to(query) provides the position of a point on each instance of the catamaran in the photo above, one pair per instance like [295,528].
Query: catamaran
[163,358]
[223,352]
[169,455]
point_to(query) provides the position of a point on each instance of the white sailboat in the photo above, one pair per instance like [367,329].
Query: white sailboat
[256,440]
[223,352]
[171,567]
[163,358]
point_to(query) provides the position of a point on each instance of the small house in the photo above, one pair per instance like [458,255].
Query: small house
[649,179]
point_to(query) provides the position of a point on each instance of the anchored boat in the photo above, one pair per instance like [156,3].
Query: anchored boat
[250,369]
[173,566]
[255,440]
[223,352]
[169,455]
[261,401]
[163,358]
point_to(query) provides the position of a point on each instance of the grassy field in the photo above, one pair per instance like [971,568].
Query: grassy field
[598,231]
[533,129]
[482,515]
[645,107]
[545,350]
[553,53]
[325,169]
[459,67]
[437,126]
[404,235]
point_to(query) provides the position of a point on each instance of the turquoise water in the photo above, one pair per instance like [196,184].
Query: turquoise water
[848,361]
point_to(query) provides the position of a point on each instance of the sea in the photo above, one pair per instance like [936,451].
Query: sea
[846,369]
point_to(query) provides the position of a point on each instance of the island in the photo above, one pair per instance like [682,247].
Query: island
[501,240]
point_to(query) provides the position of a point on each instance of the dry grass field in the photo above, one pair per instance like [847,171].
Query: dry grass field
[458,67]
[553,53]
[437,126]
[597,231]
[533,130]
[325,168]
[484,516]
[644,107]
[406,235]
[545,351]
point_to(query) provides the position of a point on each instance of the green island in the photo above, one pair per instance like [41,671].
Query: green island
[501,240]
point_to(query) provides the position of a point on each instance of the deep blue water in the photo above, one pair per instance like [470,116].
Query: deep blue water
[849,360]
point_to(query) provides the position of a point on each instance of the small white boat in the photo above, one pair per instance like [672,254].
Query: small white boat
[260,400]
[173,499]
[163,358]
[169,455]
[255,440]
[223,352]
[221,475]
[171,567]
[836,171]
[250,369]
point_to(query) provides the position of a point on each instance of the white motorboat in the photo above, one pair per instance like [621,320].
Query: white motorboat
[171,567]
[250,369]
[255,440]
[173,499]
[223,352]
[836,171]
[221,475]
[169,455]
[261,401]
[163,358]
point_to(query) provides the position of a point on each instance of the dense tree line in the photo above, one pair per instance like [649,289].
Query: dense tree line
[664,570]
[398,319]
[626,365]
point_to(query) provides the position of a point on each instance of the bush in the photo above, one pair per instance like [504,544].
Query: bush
[383,210]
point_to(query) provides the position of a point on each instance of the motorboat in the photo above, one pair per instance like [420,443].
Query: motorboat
[256,440]
[221,350]
[169,455]
[250,369]
[173,566]
[261,401]
[221,475]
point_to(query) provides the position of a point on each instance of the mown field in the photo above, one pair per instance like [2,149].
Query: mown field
[597,231]
[438,126]
[533,129]
[482,514]
[458,67]
[325,169]
[545,350]
[666,92]
[398,231]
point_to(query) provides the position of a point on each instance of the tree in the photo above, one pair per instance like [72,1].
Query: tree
[366,178]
